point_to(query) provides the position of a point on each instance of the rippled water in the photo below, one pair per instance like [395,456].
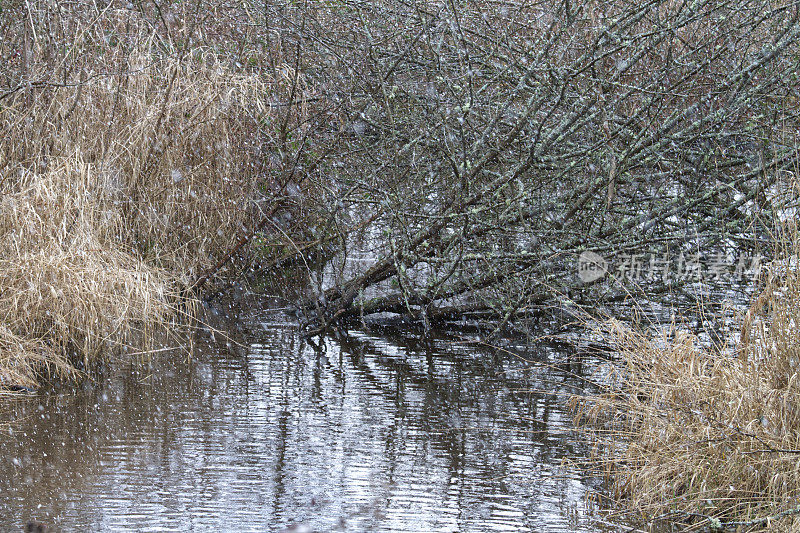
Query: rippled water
[381,433]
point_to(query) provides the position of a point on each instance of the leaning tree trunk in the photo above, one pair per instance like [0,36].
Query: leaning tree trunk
[479,148]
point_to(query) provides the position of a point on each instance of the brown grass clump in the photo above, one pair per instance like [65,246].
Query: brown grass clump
[19,355]
[128,160]
[705,437]
[66,283]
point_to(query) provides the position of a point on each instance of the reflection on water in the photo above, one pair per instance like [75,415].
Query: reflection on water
[381,433]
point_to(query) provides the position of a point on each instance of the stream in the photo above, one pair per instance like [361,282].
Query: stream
[385,431]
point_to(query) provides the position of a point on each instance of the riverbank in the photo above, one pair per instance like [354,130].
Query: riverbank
[386,158]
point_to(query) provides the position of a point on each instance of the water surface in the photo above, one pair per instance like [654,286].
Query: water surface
[383,432]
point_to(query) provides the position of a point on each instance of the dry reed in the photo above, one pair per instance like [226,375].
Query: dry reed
[126,168]
[707,438]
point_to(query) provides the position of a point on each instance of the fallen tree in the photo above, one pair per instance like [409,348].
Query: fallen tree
[478,148]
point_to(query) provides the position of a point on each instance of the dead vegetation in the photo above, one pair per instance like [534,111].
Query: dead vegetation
[706,436]
[126,168]
[477,160]
[471,151]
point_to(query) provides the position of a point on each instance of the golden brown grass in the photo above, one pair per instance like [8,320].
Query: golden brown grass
[125,170]
[707,437]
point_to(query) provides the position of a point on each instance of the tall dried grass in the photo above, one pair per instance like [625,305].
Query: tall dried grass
[708,438]
[129,157]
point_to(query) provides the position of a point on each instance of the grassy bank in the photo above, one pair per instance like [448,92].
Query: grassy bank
[129,156]
[707,436]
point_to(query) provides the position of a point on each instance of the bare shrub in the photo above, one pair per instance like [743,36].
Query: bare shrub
[474,149]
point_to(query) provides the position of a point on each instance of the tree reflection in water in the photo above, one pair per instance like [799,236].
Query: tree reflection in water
[383,432]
